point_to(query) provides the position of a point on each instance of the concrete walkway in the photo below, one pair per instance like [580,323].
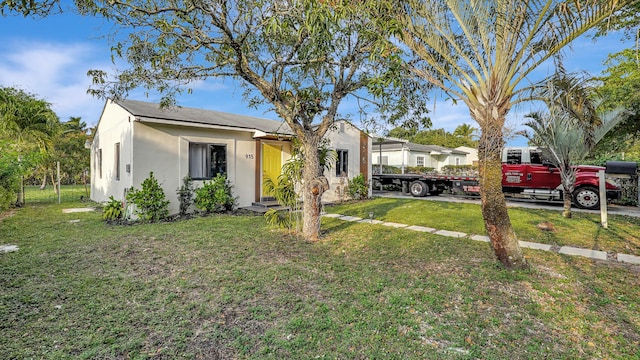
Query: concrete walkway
[567,250]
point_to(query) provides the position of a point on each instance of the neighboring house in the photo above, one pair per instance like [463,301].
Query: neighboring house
[134,138]
[472,155]
[409,154]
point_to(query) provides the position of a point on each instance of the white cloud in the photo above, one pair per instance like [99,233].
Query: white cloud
[55,72]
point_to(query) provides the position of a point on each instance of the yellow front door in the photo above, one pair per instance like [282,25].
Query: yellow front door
[271,163]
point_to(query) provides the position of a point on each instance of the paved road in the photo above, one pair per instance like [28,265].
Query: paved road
[612,209]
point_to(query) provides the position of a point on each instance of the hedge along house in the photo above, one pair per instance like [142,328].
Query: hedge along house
[134,138]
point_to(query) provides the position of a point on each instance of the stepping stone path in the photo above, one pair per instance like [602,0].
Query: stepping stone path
[567,250]
[8,248]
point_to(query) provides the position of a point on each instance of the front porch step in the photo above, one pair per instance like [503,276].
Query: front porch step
[263,207]
[266,203]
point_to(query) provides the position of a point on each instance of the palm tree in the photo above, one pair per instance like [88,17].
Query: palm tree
[480,52]
[467,132]
[572,126]
[28,122]
[26,119]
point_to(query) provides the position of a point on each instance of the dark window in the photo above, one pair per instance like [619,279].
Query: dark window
[100,163]
[207,160]
[514,156]
[536,157]
[342,162]
[116,154]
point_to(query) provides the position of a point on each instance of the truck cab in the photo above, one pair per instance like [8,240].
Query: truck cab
[528,173]
[527,167]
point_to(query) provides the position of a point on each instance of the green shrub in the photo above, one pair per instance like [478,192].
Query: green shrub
[215,196]
[284,191]
[151,204]
[386,169]
[13,165]
[419,170]
[459,169]
[113,210]
[358,188]
[185,195]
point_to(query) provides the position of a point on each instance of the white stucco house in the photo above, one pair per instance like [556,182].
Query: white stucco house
[403,154]
[472,155]
[134,138]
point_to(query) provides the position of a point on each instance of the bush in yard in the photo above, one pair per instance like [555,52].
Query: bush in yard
[215,196]
[151,203]
[284,191]
[185,195]
[113,210]
[419,170]
[358,188]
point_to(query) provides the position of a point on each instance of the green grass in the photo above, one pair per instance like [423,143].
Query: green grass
[69,193]
[583,230]
[229,287]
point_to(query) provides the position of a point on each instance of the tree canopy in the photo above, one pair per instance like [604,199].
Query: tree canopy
[480,52]
[463,135]
[302,58]
[27,129]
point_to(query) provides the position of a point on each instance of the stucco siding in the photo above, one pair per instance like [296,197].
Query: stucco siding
[165,150]
[344,136]
[115,127]
[152,141]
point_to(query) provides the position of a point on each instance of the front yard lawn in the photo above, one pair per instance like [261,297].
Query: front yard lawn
[228,287]
[583,230]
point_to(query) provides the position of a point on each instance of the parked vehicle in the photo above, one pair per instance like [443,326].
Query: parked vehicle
[525,174]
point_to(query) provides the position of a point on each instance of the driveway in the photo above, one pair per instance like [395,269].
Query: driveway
[612,209]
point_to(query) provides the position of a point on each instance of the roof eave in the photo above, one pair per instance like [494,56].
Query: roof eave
[256,132]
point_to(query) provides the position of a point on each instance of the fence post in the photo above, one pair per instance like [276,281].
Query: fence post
[58,170]
[603,200]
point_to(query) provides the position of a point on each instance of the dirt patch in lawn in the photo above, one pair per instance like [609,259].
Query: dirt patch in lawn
[8,213]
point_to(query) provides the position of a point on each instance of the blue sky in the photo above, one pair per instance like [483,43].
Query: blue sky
[50,58]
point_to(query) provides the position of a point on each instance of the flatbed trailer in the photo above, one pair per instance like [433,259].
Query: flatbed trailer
[419,185]
[429,184]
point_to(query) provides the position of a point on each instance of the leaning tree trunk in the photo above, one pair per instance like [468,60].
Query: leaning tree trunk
[314,184]
[44,181]
[494,207]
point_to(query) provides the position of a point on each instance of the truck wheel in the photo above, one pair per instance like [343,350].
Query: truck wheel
[587,197]
[418,188]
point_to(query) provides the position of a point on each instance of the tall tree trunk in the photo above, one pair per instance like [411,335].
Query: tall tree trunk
[44,181]
[566,197]
[54,182]
[314,185]
[494,207]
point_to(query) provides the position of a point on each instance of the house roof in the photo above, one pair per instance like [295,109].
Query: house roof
[150,112]
[420,148]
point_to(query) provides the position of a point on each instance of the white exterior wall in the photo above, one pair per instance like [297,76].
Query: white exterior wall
[115,126]
[395,157]
[458,159]
[164,149]
[471,157]
[411,158]
[345,137]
